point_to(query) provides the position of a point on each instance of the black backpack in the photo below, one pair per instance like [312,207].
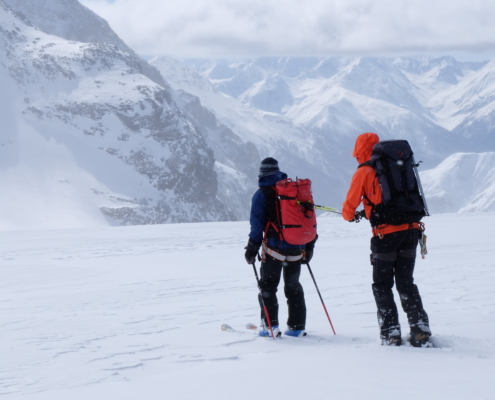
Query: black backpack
[403,200]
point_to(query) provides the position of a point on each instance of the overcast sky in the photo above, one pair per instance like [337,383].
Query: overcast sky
[223,28]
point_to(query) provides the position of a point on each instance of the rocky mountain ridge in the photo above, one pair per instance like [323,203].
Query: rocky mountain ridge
[147,162]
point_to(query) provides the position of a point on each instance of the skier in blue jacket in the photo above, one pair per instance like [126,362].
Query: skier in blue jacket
[279,256]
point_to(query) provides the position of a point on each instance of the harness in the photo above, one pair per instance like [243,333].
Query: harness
[281,257]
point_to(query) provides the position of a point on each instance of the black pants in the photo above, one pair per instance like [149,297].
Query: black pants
[271,271]
[394,257]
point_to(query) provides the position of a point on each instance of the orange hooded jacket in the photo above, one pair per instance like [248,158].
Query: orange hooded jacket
[365,182]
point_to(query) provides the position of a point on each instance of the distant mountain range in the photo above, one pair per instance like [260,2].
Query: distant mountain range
[463,182]
[439,104]
[93,134]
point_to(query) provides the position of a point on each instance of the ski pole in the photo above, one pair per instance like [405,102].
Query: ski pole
[308,205]
[265,310]
[334,210]
[321,298]
[420,187]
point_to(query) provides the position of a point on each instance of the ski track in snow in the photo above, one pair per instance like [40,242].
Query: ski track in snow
[123,312]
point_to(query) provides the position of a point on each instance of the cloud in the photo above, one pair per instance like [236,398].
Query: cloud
[206,28]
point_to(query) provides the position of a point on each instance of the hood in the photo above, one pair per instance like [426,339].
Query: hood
[271,180]
[364,146]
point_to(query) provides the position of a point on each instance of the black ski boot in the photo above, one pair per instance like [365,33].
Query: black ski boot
[420,340]
[392,341]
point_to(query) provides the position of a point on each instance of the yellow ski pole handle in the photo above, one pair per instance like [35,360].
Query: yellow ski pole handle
[310,205]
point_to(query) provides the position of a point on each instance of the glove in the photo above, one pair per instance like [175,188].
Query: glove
[358,216]
[308,254]
[252,249]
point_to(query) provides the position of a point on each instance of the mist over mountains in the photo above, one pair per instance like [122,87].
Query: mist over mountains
[93,134]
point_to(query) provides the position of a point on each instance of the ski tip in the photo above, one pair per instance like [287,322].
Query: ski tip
[251,326]
[226,328]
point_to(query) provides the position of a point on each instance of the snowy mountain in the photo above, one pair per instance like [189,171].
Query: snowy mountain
[301,152]
[463,182]
[89,131]
[96,135]
[432,102]
[93,134]
[70,20]
[440,105]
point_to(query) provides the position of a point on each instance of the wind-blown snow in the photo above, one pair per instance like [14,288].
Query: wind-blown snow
[135,312]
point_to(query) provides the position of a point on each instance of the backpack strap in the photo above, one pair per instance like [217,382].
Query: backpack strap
[368,201]
[272,229]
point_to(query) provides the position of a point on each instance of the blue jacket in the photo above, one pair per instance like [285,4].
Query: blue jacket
[258,218]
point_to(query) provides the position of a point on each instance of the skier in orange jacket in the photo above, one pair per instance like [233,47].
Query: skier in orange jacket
[393,252]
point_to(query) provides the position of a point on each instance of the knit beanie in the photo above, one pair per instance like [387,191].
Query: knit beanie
[269,166]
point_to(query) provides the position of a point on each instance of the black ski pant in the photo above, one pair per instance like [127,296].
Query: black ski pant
[271,271]
[394,256]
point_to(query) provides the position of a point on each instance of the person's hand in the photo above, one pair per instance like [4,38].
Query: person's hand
[358,216]
[308,253]
[252,249]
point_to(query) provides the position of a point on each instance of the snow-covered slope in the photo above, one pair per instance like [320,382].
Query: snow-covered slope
[135,313]
[301,152]
[468,108]
[87,131]
[70,20]
[463,182]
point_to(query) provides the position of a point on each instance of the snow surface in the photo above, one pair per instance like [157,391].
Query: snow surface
[135,312]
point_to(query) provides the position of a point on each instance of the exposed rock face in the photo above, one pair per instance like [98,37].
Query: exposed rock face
[237,162]
[151,164]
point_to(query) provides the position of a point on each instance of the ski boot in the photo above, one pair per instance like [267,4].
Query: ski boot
[421,339]
[265,332]
[295,332]
[392,341]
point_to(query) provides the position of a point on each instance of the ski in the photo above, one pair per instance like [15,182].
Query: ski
[228,328]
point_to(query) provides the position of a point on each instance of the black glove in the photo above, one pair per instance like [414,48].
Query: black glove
[358,216]
[251,251]
[308,254]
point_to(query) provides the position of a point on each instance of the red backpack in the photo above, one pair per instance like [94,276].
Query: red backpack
[295,215]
